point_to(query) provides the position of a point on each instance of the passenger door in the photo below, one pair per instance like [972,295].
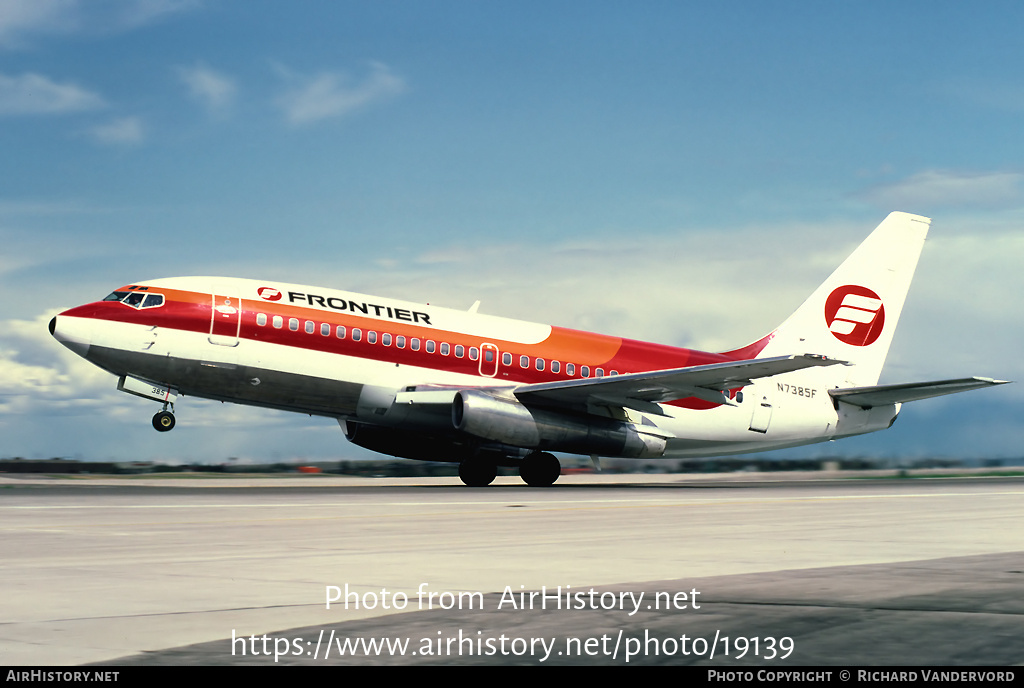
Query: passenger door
[225,320]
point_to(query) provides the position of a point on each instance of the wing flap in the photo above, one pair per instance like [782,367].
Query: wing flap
[643,391]
[882,395]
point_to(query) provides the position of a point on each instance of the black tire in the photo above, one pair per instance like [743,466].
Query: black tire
[540,469]
[477,472]
[163,421]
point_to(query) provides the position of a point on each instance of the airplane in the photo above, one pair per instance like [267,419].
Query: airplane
[421,382]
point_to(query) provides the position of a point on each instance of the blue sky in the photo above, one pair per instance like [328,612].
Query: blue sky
[680,172]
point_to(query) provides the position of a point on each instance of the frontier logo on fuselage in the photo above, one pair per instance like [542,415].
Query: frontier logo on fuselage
[854,315]
[269,293]
[339,304]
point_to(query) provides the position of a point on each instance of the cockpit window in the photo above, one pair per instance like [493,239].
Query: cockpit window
[137,299]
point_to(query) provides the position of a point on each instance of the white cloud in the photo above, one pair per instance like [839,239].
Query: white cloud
[942,189]
[963,313]
[32,94]
[715,291]
[134,13]
[126,131]
[332,94]
[216,91]
[35,373]
[20,17]
[54,403]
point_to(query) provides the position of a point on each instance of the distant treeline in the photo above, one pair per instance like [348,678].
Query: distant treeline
[399,468]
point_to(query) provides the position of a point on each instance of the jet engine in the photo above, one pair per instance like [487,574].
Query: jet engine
[506,420]
[405,444]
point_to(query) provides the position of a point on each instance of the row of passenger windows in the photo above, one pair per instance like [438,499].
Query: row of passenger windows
[556,366]
[430,346]
[372,337]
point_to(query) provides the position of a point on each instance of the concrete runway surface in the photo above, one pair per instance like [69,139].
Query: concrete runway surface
[789,572]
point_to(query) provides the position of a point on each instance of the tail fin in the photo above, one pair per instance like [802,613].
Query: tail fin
[852,316]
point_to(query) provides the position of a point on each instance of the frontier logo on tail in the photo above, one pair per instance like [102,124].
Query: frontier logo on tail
[854,315]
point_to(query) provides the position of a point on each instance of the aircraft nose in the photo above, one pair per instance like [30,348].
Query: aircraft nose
[71,333]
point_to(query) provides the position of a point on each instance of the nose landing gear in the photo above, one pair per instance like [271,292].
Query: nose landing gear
[163,420]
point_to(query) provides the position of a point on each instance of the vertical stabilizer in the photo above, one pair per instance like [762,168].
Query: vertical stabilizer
[852,316]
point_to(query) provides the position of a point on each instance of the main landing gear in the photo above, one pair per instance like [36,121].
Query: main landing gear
[164,420]
[477,472]
[538,469]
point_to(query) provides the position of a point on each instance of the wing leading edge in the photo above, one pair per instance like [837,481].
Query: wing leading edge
[644,391]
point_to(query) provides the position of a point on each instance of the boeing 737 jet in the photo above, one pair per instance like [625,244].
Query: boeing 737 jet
[421,382]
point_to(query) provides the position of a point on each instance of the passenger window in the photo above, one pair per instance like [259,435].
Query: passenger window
[524,361]
[540,364]
[585,371]
[340,331]
[385,339]
[278,322]
[555,366]
[357,334]
[261,319]
[506,359]
[310,326]
[445,348]
[431,347]
[599,372]
[400,342]
[371,337]
[474,354]
[570,369]
[414,344]
[293,324]
[460,351]
[325,329]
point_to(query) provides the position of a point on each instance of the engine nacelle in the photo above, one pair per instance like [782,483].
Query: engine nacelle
[428,410]
[404,443]
[509,422]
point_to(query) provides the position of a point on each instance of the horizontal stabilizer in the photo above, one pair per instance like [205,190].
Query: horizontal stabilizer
[883,395]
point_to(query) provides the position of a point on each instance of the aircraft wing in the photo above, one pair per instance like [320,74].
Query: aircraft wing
[644,391]
[882,395]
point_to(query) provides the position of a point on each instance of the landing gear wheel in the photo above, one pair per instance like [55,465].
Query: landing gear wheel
[163,421]
[477,472]
[540,469]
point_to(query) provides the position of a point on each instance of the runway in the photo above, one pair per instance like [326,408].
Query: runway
[878,571]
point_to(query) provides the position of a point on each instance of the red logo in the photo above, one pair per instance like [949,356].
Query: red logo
[269,294]
[854,315]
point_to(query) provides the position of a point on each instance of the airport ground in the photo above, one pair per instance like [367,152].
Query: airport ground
[833,569]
